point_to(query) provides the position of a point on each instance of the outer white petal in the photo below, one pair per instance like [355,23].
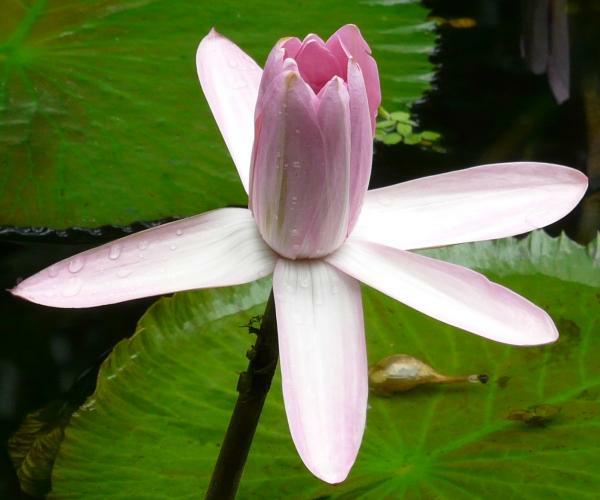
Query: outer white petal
[323,363]
[480,203]
[230,80]
[218,248]
[450,293]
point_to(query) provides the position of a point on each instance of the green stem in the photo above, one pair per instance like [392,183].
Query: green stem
[253,386]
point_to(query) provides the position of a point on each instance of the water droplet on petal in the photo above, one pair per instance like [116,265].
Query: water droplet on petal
[53,270]
[296,164]
[179,232]
[173,247]
[297,130]
[114,252]
[142,245]
[76,264]
[123,273]
[72,287]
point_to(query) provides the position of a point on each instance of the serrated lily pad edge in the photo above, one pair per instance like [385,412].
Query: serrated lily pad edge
[558,257]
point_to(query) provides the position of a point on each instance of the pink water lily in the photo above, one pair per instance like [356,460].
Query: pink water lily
[300,134]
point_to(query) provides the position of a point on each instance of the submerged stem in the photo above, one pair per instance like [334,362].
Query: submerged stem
[253,386]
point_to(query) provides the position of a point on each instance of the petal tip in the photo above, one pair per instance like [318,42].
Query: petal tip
[213,33]
[332,477]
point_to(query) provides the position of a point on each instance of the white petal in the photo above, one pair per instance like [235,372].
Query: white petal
[480,203]
[450,293]
[218,248]
[230,80]
[323,363]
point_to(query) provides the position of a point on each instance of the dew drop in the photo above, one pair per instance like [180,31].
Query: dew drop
[179,232]
[123,273]
[296,164]
[297,130]
[76,264]
[72,288]
[173,247]
[294,232]
[294,198]
[142,245]
[114,252]
[53,271]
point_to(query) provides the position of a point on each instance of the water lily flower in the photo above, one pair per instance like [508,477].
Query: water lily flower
[300,134]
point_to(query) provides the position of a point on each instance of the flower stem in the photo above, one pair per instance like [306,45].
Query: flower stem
[253,386]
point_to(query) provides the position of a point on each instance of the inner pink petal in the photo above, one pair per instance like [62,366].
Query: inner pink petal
[291,46]
[312,37]
[316,64]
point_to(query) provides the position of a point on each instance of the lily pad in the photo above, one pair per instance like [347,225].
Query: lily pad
[102,120]
[153,427]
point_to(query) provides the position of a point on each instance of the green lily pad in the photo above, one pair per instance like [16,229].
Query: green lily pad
[152,428]
[102,120]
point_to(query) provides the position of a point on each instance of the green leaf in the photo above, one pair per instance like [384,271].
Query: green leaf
[34,446]
[380,135]
[401,116]
[386,124]
[412,139]
[102,120]
[428,135]
[392,138]
[153,427]
[404,129]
